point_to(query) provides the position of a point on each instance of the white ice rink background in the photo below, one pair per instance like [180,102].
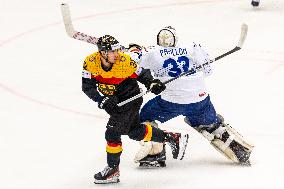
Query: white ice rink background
[52,135]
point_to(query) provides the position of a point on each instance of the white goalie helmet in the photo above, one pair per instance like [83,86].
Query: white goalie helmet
[167,37]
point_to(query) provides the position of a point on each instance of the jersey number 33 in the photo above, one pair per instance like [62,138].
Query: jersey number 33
[176,66]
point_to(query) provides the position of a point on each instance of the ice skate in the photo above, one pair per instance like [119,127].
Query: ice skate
[178,144]
[108,175]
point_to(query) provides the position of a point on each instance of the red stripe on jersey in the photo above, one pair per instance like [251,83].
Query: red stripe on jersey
[112,80]
[114,144]
[134,75]
[146,131]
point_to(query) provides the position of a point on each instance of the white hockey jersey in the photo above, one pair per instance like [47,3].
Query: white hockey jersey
[168,62]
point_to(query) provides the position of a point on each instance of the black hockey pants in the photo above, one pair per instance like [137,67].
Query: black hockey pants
[127,122]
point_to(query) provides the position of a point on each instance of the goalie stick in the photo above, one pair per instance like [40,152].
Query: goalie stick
[70,29]
[242,38]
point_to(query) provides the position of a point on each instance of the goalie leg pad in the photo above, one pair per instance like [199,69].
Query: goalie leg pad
[148,148]
[231,149]
[152,161]
[227,141]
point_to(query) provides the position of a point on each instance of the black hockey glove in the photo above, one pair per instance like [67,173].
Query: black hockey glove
[156,86]
[109,104]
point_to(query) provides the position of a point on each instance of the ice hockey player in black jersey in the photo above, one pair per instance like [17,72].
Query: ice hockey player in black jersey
[109,77]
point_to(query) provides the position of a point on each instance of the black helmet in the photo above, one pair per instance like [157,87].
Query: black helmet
[108,43]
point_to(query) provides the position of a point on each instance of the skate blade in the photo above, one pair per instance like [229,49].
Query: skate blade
[144,165]
[109,181]
[183,141]
[245,164]
[150,167]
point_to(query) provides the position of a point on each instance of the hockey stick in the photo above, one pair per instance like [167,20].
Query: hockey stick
[70,29]
[242,38]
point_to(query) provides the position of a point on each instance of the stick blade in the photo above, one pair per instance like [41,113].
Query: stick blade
[67,19]
[244,30]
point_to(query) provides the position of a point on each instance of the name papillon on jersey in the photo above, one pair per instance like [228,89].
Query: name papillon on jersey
[173,51]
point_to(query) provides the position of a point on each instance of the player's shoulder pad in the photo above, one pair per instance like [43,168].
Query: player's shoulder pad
[91,57]
[127,60]
[90,61]
[90,66]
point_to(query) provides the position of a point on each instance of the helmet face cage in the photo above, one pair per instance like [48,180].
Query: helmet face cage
[167,37]
[108,43]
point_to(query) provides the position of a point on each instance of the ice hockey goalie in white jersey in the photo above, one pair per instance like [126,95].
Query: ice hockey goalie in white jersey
[168,62]
[185,96]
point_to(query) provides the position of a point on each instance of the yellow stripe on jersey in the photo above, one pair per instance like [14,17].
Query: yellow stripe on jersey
[122,68]
[113,149]
[148,132]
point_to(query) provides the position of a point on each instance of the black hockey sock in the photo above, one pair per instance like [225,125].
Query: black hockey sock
[158,135]
[113,160]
